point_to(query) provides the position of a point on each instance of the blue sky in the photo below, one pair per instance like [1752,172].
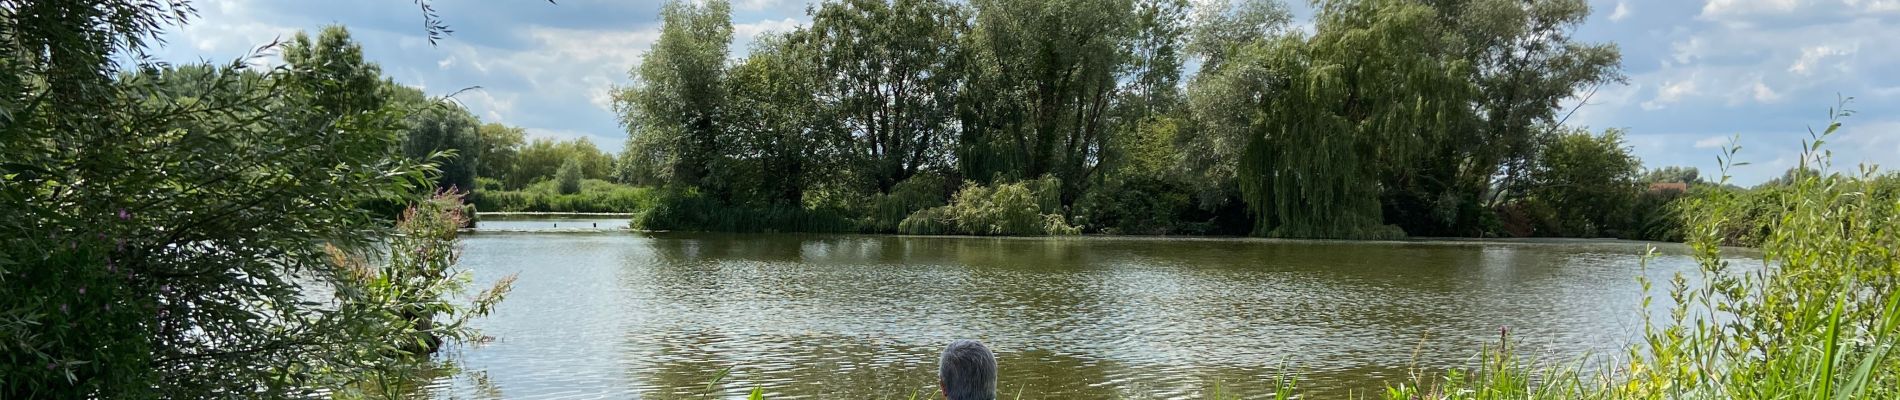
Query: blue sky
[1700,72]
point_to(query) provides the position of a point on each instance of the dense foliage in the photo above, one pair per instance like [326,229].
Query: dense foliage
[178,231]
[1393,117]
[1021,208]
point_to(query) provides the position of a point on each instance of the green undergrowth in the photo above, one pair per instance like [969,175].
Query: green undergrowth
[593,196]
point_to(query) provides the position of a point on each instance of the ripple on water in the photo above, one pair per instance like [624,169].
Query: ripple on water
[825,317]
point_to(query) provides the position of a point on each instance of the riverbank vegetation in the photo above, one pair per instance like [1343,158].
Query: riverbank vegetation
[1388,119]
[1818,319]
[216,231]
[1822,320]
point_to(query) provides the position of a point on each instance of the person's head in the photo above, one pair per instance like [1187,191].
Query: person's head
[967,371]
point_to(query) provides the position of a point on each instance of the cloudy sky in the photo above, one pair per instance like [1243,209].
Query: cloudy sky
[1700,72]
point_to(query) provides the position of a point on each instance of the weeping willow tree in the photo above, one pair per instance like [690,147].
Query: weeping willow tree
[1328,116]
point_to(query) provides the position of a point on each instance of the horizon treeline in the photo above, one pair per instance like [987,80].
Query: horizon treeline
[1380,119]
[1388,118]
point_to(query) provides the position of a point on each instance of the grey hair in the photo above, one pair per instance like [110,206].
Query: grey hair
[967,371]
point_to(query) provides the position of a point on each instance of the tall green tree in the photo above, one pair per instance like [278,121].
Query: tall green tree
[1044,76]
[1333,114]
[781,137]
[542,158]
[335,59]
[440,133]
[678,94]
[891,70]
[499,146]
[1221,100]
[1524,61]
[1587,180]
[444,135]
[1675,174]
[568,178]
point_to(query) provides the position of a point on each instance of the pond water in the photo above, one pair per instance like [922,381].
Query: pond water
[657,315]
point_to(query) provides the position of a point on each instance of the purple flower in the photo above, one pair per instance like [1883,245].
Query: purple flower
[51,366]
[124,216]
[167,289]
[82,290]
[62,308]
[120,246]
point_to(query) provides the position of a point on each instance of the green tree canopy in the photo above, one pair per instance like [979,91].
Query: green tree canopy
[1588,180]
[569,177]
[780,136]
[542,158]
[166,227]
[891,72]
[678,94]
[443,134]
[499,146]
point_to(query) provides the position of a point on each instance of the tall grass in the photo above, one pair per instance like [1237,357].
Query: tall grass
[1817,321]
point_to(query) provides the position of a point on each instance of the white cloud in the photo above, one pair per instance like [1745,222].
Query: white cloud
[229,28]
[492,107]
[1671,93]
[1811,56]
[445,63]
[1875,142]
[755,29]
[1876,5]
[755,5]
[1622,11]
[583,46]
[1764,94]
[578,63]
[1741,11]
[1711,142]
[1686,51]
[556,134]
[1722,9]
[1603,107]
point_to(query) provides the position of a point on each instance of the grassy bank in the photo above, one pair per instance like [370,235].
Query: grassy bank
[594,196]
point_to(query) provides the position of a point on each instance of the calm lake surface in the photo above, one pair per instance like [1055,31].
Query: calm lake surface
[656,315]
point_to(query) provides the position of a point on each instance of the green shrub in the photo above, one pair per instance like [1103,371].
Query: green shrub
[1657,216]
[1140,207]
[486,184]
[1011,209]
[691,210]
[569,177]
[888,210]
[929,221]
[594,196]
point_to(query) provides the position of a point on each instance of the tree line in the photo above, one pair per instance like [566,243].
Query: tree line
[1391,117]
